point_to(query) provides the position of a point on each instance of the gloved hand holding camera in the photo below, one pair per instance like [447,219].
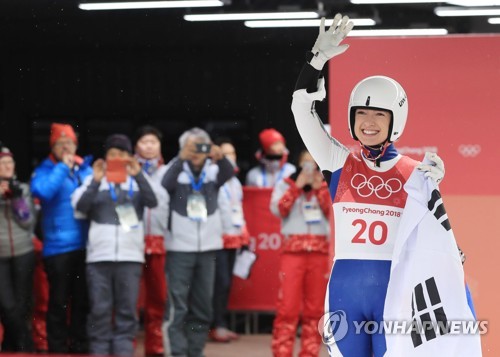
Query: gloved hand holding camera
[10,188]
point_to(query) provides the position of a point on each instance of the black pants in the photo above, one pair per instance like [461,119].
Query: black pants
[16,291]
[68,303]
[224,264]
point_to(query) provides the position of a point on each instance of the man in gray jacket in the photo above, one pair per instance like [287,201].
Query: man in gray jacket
[193,182]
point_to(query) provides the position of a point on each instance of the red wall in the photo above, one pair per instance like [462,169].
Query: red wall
[453,88]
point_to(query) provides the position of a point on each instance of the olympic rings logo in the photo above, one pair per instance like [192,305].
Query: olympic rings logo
[469,150]
[375,185]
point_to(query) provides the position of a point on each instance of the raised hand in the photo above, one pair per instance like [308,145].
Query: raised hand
[317,180]
[216,153]
[98,167]
[133,167]
[69,159]
[327,44]
[304,178]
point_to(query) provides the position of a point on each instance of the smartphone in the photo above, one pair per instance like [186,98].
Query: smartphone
[309,167]
[116,170]
[203,148]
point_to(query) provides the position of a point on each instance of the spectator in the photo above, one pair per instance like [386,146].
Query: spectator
[148,153]
[235,236]
[17,259]
[53,182]
[115,249]
[193,182]
[302,201]
[272,157]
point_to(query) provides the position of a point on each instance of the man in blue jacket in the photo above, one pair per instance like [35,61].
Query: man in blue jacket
[64,239]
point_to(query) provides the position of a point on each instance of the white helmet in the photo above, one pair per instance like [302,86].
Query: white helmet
[380,92]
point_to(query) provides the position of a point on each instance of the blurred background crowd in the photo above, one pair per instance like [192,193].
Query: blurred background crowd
[80,235]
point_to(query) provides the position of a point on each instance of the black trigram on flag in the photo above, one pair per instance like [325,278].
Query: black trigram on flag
[423,323]
[436,206]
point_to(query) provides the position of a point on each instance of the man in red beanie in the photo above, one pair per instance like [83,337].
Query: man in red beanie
[58,131]
[272,157]
[64,238]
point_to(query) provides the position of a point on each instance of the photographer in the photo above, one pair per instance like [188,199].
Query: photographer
[17,259]
[114,200]
[193,182]
[302,202]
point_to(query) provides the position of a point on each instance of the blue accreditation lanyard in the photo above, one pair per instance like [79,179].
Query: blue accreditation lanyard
[112,191]
[146,167]
[264,178]
[197,185]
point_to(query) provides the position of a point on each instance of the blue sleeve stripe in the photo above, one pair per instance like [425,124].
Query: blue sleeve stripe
[334,182]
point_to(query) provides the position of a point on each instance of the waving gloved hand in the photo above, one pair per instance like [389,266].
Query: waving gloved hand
[434,170]
[327,43]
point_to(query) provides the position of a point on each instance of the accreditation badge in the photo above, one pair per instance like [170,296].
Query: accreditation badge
[311,211]
[127,216]
[197,207]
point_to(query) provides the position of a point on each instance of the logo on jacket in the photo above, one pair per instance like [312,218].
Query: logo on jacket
[375,185]
[333,326]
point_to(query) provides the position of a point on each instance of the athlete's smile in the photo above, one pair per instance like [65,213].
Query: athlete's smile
[372,126]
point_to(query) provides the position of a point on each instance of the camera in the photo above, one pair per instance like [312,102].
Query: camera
[308,167]
[202,148]
[15,190]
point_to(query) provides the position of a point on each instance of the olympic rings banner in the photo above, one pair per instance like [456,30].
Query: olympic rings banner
[452,84]
[260,291]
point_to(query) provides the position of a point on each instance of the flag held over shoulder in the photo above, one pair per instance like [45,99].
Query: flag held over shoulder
[427,284]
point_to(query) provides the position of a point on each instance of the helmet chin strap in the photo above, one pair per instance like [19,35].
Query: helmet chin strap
[366,151]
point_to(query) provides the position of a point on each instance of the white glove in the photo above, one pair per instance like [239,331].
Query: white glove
[434,170]
[327,43]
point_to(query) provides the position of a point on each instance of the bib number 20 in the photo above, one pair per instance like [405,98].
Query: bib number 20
[377,232]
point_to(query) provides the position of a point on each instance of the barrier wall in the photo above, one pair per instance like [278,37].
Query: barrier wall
[260,291]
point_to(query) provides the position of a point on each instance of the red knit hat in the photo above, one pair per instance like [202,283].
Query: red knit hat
[268,137]
[58,130]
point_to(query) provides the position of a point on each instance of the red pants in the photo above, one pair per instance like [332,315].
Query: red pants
[154,303]
[303,277]
[41,300]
